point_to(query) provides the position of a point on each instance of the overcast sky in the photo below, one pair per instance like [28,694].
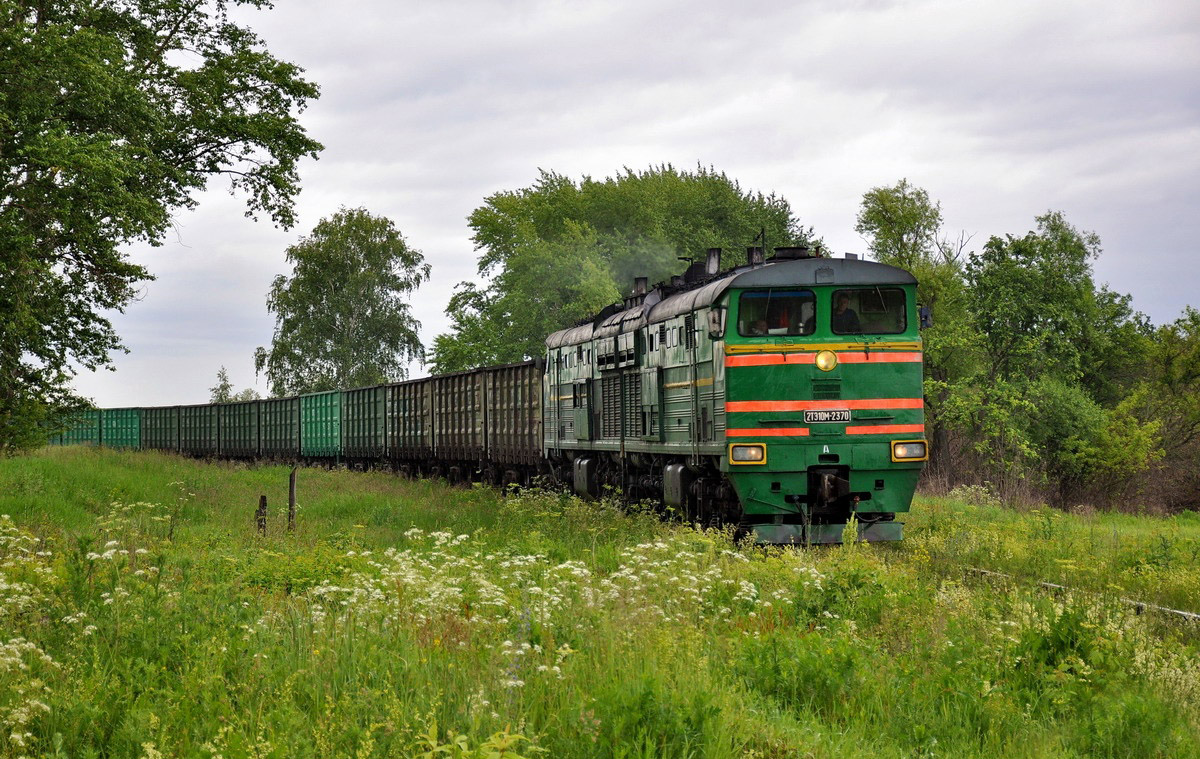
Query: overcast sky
[1001,110]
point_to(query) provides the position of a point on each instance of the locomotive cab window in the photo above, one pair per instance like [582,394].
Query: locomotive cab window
[868,311]
[776,312]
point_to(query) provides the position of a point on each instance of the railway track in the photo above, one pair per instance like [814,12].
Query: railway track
[1139,607]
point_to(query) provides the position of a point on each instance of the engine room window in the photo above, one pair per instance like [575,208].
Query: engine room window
[776,312]
[868,311]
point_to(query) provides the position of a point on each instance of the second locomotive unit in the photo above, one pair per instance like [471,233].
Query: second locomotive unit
[782,396]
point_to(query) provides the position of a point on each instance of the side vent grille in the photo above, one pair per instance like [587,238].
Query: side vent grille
[610,406]
[826,389]
[633,409]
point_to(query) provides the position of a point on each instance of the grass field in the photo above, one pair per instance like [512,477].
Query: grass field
[141,616]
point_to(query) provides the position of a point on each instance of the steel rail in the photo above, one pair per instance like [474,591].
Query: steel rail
[1139,607]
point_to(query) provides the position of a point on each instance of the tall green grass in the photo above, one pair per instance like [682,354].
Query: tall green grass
[141,615]
[1152,559]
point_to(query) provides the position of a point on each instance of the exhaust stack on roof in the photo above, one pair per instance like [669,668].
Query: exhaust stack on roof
[712,263]
[638,296]
[754,256]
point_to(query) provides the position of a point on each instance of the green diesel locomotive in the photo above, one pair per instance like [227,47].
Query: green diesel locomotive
[784,396]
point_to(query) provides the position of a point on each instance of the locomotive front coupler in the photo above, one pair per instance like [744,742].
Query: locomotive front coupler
[802,499]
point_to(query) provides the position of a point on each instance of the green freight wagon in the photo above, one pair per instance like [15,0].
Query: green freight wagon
[160,428]
[83,430]
[513,415]
[458,435]
[410,424]
[279,428]
[121,428]
[321,425]
[364,424]
[198,431]
[238,425]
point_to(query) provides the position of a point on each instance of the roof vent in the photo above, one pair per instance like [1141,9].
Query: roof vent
[754,256]
[639,285]
[798,251]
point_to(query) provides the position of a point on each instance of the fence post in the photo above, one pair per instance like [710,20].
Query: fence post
[260,516]
[292,501]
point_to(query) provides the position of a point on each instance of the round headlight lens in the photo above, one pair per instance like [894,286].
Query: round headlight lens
[826,361]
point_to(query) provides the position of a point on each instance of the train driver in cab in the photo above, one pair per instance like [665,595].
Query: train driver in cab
[845,319]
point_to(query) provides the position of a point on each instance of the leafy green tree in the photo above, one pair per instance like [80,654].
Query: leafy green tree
[1170,395]
[1174,378]
[1031,297]
[1072,351]
[901,224]
[987,420]
[223,391]
[1115,345]
[903,227]
[1084,447]
[573,284]
[561,250]
[112,116]
[1040,312]
[341,319]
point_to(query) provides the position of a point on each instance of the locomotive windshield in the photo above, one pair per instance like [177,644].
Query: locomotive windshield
[776,312]
[869,311]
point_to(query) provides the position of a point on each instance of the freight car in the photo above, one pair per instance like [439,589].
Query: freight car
[483,424]
[783,395]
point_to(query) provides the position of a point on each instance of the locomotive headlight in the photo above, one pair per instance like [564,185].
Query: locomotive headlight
[826,361]
[909,450]
[754,453]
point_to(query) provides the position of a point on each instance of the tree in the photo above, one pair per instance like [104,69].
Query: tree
[1072,352]
[223,391]
[902,224]
[1171,395]
[1032,297]
[561,250]
[1174,374]
[903,228]
[112,116]
[553,285]
[341,319]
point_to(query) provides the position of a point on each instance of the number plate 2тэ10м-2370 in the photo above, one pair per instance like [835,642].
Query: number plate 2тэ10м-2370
[817,417]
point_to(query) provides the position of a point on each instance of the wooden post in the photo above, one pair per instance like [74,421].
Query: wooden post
[292,501]
[260,516]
